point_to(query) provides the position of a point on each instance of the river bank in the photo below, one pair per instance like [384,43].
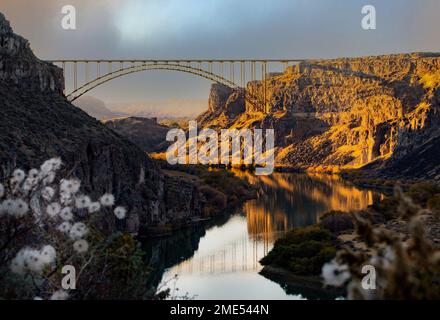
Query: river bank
[295,262]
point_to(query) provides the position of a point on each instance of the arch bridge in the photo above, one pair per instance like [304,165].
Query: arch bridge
[82,76]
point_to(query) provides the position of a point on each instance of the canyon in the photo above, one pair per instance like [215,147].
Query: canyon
[379,113]
[38,122]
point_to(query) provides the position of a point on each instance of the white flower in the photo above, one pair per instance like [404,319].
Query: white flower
[29,184]
[70,186]
[81,246]
[78,231]
[65,198]
[59,295]
[33,174]
[66,214]
[2,191]
[33,261]
[82,202]
[53,209]
[51,165]
[17,208]
[49,178]
[65,227]
[94,207]
[48,254]
[335,274]
[120,212]
[47,193]
[18,175]
[9,206]
[21,208]
[107,200]
[17,264]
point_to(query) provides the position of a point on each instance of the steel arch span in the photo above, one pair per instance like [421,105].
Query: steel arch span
[80,69]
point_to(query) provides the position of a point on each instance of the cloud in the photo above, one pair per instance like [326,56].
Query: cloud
[228,29]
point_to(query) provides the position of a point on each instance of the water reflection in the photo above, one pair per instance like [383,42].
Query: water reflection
[226,263]
[297,200]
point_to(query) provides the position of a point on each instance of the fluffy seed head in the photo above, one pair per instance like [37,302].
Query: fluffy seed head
[81,246]
[47,193]
[65,227]
[78,231]
[83,202]
[94,207]
[66,214]
[21,208]
[48,254]
[53,209]
[107,200]
[120,212]
[70,186]
[19,175]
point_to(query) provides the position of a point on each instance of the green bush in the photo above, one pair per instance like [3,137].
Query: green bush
[337,221]
[302,251]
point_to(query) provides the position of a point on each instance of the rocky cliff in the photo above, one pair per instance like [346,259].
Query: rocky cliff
[37,122]
[347,113]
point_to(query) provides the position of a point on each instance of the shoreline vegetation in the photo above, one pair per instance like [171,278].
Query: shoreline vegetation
[297,259]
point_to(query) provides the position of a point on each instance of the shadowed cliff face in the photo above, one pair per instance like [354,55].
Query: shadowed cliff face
[37,122]
[146,133]
[348,112]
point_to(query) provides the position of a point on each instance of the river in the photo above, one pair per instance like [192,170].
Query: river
[223,261]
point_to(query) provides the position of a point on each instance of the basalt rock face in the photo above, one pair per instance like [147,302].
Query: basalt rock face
[225,104]
[19,66]
[37,122]
[349,112]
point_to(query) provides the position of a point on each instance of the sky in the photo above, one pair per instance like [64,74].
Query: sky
[197,29]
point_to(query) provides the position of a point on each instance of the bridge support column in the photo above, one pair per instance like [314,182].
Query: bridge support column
[75,76]
[264,78]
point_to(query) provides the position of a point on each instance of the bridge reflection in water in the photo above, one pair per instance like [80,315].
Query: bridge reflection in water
[284,201]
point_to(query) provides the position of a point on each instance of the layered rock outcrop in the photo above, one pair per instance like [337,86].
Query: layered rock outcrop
[19,66]
[349,112]
[224,105]
[37,122]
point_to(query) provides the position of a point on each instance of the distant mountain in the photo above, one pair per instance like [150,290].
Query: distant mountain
[164,109]
[95,108]
[146,133]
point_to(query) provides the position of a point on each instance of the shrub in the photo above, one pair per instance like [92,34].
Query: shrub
[46,223]
[409,270]
[215,198]
[387,207]
[337,221]
[421,192]
[434,203]
[302,251]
